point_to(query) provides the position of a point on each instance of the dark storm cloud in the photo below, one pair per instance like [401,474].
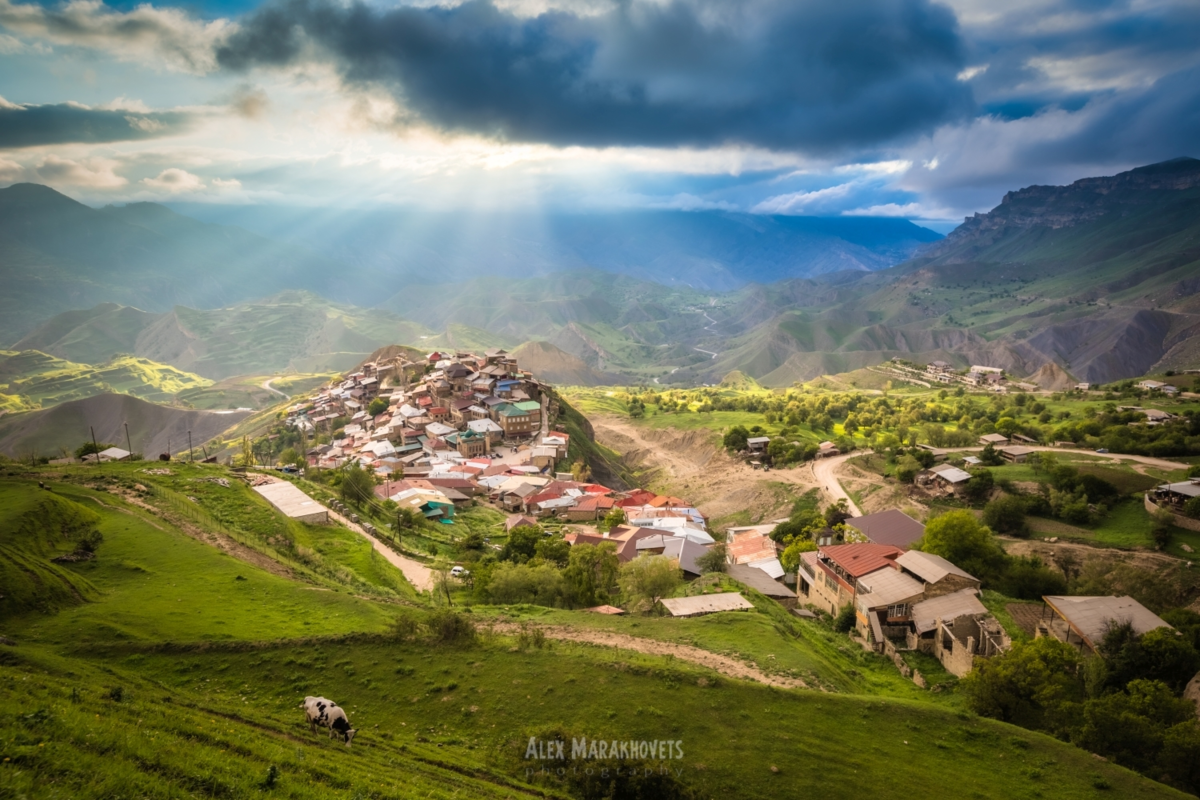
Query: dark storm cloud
[30,126]
[785,74]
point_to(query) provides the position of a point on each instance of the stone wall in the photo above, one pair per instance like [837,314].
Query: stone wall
[1184,522]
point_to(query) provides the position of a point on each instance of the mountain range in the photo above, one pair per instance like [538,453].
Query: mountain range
[1100,278]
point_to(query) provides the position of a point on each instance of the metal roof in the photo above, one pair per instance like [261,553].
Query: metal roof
[1090,617]
[1186,488]
[931,568]
[706,604]
[947,607]
[860,558]
[892,527]
[887,586]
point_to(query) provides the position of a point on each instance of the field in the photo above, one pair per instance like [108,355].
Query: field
[247,391]
[183,673]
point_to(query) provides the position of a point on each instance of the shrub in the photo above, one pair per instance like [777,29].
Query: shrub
[844,621]
[1006,515]
[450,627]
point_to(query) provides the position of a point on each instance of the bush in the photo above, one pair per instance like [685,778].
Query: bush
[714,560]
[450,627]
[844,621]
[1006,515]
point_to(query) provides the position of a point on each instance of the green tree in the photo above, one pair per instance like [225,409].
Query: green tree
[1180,756]
[844,621]
[979,486]
[554,549]
[613,518]
[1161,523]
[790,558]
[377,406]
[646,580]
[1158,655]
[714,560]
[735,439]
[522,543]
[541,585]
[990,457]
[964,541]
[1129,727]
[87,449]
[907,469]
[1006,514]
[591,573]
[1026,686]
[358,485]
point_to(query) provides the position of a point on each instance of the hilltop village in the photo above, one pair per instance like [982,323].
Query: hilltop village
[452,430]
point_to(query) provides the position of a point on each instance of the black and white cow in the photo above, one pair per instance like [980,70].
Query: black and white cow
[327,713]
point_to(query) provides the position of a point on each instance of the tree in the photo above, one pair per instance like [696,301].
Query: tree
[358,485]
[1006,514]
[1129,727]
[907,469]
[714,560]
[441,579]
[541,585]
[554,549]
[735,439]
[580,471]
[291,457]
[1026,686]
[1180,756]
[990,457]
[591,572]
[521,544]
[1162,521]
[979,486]
[837,513]
[377,407]
[648,579]
[961,539]
[1159,655]
[844,621]
[790,558]
[613,518]
[87,449]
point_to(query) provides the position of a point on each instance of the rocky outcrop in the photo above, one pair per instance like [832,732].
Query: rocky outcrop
[1063,206]
[1052,378]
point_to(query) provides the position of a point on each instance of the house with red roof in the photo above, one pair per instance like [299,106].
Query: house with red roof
[830,581]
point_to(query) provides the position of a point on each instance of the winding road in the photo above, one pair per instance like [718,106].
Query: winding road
[824,471]
[267,385]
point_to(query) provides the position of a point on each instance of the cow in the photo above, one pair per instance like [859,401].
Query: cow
[320,711]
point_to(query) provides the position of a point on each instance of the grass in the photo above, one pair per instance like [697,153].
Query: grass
[210,669]
[30,379]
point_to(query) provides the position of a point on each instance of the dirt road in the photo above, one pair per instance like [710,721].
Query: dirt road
[267,385]
[824,472]
[730,667]
[419,575]
[1149,461]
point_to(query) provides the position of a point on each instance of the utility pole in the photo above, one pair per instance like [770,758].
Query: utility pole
[127,443]
[95,447]
[189,447]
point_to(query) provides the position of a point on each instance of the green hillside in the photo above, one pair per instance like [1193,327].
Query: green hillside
[294,331]
[55,252]
[37,380]
[182,676]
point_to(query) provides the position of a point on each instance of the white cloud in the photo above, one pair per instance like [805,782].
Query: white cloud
[802,202]
[86,173]
[907,211]
[971,72]
[221,184]
[174,181]
[11,171]
[9,106]
[156,37]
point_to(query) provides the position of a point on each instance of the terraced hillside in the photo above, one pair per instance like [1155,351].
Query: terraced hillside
[183,674]
[31,379]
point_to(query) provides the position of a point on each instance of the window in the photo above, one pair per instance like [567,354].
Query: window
[897,611]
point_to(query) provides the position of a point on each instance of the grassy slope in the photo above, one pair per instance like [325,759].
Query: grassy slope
[479,703]
[41,380]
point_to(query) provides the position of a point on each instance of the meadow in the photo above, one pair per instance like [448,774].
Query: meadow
[181,675]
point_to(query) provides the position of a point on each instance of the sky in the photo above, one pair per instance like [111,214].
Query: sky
[902,108]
